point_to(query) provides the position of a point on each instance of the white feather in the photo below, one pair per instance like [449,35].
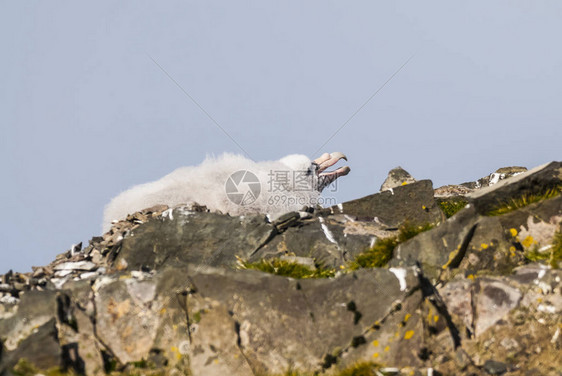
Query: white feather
[205,185]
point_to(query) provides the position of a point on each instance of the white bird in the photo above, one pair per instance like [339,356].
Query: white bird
[235,185]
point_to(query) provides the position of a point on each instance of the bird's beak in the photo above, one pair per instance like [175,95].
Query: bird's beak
[325,161]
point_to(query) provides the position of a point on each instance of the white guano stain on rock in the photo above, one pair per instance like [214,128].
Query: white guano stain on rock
[327,231]
[400,274]
[168,213]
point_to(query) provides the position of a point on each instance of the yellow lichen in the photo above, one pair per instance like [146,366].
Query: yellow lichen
[409,334]
[376,343]
[528,241]
[483,245]
[513,232]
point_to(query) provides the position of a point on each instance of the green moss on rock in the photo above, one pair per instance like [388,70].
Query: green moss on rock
[451,205]
[288,269]
[382,251]
[523,201]
[553,255]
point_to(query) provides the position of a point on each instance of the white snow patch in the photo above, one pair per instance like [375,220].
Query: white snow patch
[327,231]
[400,274]
[340,206]
[373,240]
[391,191]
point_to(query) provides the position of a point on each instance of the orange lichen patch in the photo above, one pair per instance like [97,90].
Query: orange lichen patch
[409,334]
[118,310]
[122,264]
[528,241]
[470,276]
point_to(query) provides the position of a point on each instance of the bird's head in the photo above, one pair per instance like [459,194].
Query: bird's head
[317,168]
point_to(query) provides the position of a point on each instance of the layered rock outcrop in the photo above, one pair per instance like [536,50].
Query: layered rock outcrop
[175,290]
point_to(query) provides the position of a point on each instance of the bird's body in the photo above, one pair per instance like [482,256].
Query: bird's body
[216,184]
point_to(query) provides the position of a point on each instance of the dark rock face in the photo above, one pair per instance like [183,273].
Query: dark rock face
[163,292]
[412,202]
[184,237]
[282,323]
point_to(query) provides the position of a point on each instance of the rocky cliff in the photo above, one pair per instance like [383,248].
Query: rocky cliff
[462,279]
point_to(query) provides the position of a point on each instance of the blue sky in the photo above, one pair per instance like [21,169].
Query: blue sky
[86,113]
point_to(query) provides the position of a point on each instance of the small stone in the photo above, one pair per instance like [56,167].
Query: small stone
[121,264]
[462,360]
[509,343]
[38,272]
[493,367]
[304,261]
[62,273]
[8,299]
[396,178]
[155,209]
[79,265]
[75,248]
[96,256]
